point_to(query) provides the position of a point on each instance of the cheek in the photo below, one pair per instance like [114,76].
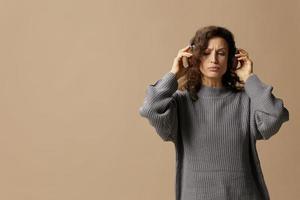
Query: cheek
[224,60]
[204,63]
[202,66]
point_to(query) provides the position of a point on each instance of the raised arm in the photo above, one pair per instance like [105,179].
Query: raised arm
[267,112]
[160,107]
[161,102]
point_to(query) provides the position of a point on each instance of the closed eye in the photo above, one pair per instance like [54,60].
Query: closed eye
[220,53]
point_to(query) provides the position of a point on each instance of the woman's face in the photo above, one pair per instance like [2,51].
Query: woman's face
[214,60]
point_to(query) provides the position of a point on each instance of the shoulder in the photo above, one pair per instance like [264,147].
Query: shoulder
[180,94]
[182,97]
[242,96]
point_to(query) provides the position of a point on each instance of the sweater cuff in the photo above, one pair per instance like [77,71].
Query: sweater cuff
[254,87]
[167,81]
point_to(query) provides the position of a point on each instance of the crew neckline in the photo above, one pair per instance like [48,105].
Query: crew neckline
[213,92]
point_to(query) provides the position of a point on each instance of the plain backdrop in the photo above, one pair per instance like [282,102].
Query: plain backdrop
[74,73]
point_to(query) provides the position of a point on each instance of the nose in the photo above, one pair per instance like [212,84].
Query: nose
[213,58]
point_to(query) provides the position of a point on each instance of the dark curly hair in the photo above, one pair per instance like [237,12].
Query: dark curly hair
[192,81]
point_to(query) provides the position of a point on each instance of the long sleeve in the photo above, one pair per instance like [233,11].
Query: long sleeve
[160,107]
[267,113]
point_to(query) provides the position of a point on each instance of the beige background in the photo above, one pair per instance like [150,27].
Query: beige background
[74,73]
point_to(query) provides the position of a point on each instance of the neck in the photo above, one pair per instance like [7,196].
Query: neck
[210,82]
[213,92]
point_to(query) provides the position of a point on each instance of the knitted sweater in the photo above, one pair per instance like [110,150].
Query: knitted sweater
[215,137]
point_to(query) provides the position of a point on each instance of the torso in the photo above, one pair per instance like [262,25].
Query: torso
[215,137]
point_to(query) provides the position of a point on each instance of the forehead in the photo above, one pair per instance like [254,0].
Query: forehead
[217,42]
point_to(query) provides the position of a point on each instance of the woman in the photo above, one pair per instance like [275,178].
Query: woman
[214,112]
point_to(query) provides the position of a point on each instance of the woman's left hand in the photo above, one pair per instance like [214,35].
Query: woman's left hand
[246,67]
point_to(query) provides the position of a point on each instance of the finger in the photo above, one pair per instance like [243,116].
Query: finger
[243,58]
[187,54]
[185,62]
[185,48]
[239,54]
[242,55]
[184,54]
[242,51]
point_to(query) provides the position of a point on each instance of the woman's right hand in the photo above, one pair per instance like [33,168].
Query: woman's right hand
[178,67]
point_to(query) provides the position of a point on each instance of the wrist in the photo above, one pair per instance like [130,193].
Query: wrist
[176,74]
[244,78]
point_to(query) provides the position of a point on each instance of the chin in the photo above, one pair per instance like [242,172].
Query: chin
[214,75]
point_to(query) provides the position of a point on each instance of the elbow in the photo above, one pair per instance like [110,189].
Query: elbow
[142,111]
[269,125]
[145,111]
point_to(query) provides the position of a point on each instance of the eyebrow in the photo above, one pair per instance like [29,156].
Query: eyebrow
[217,49]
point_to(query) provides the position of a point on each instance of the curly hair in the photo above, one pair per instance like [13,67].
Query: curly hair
[192,80]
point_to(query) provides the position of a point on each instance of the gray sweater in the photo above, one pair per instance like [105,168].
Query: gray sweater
[215,137]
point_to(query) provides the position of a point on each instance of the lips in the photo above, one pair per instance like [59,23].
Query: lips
[214,68]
